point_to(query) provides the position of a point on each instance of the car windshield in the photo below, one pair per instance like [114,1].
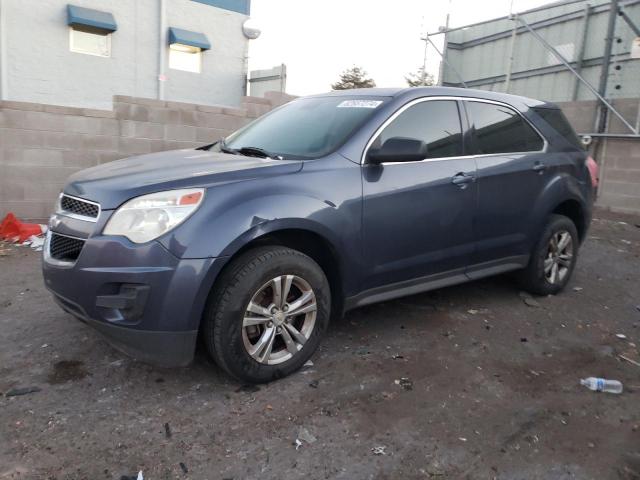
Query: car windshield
[306,128]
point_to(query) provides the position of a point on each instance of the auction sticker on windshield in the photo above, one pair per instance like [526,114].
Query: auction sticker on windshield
[360,104]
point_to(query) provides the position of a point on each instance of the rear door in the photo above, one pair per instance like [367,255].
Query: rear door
[418,216]
[512,172]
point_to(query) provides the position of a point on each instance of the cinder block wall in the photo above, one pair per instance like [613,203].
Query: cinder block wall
[41,145]
[618,158]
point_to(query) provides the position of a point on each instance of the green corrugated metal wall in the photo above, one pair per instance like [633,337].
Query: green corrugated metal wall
[480,53]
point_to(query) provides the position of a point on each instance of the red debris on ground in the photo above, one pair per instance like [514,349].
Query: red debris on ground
[12,229]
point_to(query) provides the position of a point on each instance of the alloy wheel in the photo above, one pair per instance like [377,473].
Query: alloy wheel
[279,319]
[557,263]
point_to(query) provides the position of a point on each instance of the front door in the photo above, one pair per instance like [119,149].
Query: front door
[418,216]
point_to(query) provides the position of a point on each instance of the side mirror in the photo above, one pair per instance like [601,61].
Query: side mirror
[398,149]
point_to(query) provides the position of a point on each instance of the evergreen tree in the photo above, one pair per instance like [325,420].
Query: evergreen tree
[420,79]
[354,77]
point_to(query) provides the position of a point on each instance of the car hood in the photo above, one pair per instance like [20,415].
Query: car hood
[113,183]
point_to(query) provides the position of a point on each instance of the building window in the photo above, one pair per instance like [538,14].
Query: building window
[185,49]
[90,42]
[90,30]
[185,57]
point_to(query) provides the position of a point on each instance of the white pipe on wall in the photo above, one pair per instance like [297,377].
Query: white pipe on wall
[162,58]
[4,89]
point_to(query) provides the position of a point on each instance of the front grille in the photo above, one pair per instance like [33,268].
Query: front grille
[79,207]
[65,248]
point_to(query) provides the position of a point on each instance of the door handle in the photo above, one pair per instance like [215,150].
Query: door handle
[462,179]
[539,167]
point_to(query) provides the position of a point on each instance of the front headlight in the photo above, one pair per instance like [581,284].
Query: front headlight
[145,218]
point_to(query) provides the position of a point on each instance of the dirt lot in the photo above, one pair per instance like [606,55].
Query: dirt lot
[492,389]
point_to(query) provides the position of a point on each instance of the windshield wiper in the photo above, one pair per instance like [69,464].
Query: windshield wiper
[207,147]
[246,151]
[258,152]
[221,145]
[225,149]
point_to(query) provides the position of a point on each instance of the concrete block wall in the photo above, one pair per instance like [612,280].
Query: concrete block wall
[618,158]
[42,145]
[620,175]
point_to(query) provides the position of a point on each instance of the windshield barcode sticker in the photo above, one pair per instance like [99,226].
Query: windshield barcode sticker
[360,104]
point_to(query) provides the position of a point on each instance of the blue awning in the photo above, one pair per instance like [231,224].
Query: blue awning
[186,37]
[240,6]
[86,17]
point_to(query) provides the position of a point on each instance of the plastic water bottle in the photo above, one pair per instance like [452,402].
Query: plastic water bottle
[602,385]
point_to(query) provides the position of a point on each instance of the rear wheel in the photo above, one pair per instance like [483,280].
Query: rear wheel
[553,259]
[267,314]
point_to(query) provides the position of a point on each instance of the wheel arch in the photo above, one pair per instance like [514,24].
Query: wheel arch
[573,210]
[310,242]
[562,195]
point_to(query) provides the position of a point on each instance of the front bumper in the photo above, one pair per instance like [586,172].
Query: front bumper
[165,349]
[144,300]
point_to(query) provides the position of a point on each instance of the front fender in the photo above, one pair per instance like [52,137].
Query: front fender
[265,226]
[325,198]
[221,230]
[225,234]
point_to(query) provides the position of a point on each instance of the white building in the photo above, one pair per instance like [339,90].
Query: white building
[82,52]
[271,80]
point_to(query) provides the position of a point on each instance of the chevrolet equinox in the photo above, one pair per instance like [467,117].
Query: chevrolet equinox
[323,205]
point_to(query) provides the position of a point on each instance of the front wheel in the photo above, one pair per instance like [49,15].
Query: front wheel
[553,259]
[267,314]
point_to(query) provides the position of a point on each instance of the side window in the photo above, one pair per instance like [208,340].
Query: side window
[499,129]
[435,122]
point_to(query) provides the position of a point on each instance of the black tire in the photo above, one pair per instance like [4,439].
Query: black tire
[533,278]
[241,279]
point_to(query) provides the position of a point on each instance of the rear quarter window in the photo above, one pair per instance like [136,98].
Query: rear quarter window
[556,119]
[499,129]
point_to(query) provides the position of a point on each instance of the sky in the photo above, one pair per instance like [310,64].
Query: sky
[318,39]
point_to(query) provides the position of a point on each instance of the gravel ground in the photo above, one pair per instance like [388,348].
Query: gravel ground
[474,381]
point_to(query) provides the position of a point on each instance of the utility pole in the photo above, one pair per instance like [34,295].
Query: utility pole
[512,48]
[424,61]
[606,60]
[444,47]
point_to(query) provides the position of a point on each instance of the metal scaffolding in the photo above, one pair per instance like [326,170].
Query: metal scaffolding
[615,9]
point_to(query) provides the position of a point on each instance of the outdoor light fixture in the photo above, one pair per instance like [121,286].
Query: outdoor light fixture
[250,29]
[185,48]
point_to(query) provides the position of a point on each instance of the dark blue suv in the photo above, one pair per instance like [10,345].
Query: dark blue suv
[323,205]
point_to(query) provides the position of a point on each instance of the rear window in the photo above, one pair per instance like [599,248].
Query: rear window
[499,129]
[557,120]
